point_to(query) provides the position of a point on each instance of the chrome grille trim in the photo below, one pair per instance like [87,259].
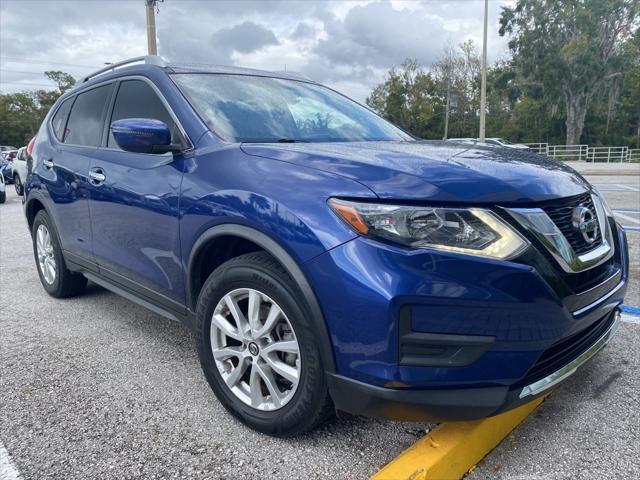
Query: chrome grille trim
[542,227]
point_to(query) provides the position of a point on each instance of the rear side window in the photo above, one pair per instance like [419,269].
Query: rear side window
[85,121]
[136,99]
[60,119]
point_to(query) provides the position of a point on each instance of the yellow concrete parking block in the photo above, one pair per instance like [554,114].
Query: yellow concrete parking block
[454,448]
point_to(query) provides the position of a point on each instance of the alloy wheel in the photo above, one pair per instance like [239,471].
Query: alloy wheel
[255,349]
[46,256]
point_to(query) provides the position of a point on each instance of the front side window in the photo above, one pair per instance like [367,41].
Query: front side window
[85,121]
[136,99]
[245,108]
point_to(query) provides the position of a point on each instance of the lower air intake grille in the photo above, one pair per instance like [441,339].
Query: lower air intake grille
[566,350]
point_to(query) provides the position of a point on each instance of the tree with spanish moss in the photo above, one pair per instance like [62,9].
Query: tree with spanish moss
[571,49]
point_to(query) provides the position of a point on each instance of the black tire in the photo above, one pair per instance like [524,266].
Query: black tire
[3,197]
[66,283]
[310,404]
[18,185]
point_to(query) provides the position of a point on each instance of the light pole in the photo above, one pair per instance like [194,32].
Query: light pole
[446,114]
[483,87]
[151,26]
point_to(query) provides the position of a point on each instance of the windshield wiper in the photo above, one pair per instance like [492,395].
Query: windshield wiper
[291,140]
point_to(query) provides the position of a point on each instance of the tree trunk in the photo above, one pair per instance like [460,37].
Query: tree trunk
[576,110]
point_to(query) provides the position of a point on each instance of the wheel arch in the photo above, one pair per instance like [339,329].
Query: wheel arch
[266,243]
[31,209]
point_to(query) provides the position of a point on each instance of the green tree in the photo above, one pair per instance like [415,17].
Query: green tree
[63,80]
[407,98]
[570,48]
[21,113]
[458,74]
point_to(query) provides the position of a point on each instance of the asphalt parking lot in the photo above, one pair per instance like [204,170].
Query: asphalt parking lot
[97,387]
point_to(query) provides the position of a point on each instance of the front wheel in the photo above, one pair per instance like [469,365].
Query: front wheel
[3,197]
[257,348]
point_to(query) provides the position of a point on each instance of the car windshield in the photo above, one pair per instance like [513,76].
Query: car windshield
[245,108]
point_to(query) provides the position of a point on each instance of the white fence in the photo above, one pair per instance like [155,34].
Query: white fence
[608,154]
[568,152]
[542,148]
[586,153]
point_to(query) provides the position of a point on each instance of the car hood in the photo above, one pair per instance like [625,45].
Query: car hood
[436,170]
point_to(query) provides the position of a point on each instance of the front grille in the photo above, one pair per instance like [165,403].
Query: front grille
[566,350]
[561,211]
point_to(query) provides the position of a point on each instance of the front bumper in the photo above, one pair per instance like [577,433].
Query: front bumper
[359,398]
[422,335]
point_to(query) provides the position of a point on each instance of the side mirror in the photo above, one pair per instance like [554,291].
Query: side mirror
[143,135]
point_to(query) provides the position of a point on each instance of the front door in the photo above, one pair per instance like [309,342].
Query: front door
[134,205]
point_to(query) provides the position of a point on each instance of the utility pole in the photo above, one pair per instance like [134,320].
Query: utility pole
[446,113]
[151,26]
[483,88]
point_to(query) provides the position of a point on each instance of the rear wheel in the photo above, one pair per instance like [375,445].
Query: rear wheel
[257,348]
[55,277]
[3,197]
[18,185]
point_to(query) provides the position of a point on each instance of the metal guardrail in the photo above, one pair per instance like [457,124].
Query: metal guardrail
[633,155]
[608,154]
[586,153]
[568,152]
[541,148]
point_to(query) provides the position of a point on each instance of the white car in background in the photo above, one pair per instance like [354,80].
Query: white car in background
[504,143]
[20,170]
[500,142]
[3,193]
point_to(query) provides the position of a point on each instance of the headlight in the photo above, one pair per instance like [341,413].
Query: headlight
[472,231]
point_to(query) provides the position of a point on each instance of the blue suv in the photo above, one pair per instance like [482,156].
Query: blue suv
[326,260]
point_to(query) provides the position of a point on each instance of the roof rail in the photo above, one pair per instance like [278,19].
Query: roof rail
[148,59]
[292,74]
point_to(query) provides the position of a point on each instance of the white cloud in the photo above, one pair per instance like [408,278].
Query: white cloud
[348,45]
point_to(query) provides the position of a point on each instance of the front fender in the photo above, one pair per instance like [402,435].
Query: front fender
[281,255]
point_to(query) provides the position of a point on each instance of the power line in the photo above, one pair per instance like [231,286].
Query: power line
[43,62]
[20,71]
[28,84]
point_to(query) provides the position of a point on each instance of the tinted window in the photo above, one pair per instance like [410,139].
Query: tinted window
[60,119]
[136,99]
[262,109]
[85,122]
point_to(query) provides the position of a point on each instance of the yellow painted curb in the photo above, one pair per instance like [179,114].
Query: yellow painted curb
[454,448]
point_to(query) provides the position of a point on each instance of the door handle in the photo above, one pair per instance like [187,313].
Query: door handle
[47,163]
[97,176]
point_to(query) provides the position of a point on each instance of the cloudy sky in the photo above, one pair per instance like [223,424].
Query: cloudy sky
[346,44]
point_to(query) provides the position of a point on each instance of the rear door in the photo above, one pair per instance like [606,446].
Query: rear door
[77,127]
[134,209]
